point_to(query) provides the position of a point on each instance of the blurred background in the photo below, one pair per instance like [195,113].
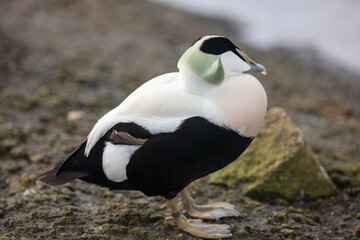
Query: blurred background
[329,29]
[63,64]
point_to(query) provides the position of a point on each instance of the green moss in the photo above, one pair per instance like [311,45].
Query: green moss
[11,223]
[343,170]
[280,216]
[139,232]
[5,238]
[113,229]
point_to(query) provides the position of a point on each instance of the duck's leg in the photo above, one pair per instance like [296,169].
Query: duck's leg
[196,227]
[208,211]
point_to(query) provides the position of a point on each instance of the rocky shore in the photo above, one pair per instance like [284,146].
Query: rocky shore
[64,64]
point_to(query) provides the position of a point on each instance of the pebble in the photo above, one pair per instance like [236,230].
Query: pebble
[347,217]
[249,228]
[357,232]
[27,180]
[9,143]
[37,158]
[138,232]
[30,191]
[18,152]
[298,217]
[9,223]
[295,210]
[4,238]
[240,233]
[66,191]
[75,115]
[286,232]
[284,225]
[179,236]
[113,229]
[275,229]
[280,216]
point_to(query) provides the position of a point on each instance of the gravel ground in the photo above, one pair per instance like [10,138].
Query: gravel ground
[64,64]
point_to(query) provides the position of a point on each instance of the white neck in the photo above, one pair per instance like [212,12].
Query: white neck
[192,84]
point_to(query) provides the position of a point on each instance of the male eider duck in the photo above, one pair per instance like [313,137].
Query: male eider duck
[174,129]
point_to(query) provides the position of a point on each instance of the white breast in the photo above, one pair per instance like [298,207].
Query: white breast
[242,101]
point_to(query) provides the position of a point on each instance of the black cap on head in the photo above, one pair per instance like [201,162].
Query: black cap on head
[219,45]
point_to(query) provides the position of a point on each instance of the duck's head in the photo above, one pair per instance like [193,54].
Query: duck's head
[215,58]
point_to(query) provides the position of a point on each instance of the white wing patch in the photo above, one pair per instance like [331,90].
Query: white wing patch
[115,159]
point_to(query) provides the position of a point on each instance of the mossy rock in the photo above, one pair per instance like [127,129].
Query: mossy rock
[278,164]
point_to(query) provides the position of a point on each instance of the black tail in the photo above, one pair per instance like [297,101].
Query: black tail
[78,166]
[72,168]
[89,169]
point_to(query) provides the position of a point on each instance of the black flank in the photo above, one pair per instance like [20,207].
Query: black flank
[168,162]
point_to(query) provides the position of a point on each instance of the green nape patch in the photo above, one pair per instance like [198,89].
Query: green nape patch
[278,164]
[205,66]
